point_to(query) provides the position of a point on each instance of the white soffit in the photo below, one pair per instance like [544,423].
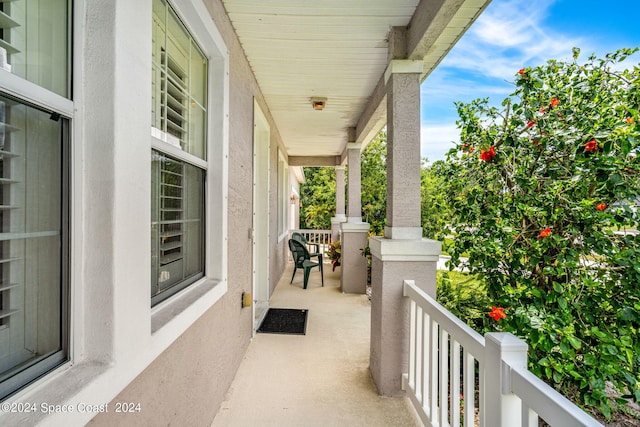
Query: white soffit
[337,49]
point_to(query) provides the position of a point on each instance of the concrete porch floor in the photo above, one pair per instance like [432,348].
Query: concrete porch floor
[318,379]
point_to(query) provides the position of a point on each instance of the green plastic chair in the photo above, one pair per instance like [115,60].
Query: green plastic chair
[316,253]
[302,259]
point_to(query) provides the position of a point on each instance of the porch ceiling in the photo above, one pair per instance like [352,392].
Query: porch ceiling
[337,49]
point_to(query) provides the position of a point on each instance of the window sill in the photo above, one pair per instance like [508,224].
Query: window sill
[182,309]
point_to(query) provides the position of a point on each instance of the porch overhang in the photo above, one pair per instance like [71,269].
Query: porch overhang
[340,51]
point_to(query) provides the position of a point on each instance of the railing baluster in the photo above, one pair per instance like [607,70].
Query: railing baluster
[444,377]
[424,362]
[433,374]
[454,390]
[469,392]
[529,417]
[413,347]
[481,394]
[418,355]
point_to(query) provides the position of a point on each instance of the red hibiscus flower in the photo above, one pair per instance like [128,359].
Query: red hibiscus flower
[530,123]
[487,155]
[544,233]
[591,146]
[521,71]
[554,102]
[601,206]
[497,313]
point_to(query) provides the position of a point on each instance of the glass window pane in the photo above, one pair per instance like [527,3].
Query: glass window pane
[32,273]
[197,131]
[177,228]
[198,75]
[178,42]
[159,69]
[34,38]
[179,83]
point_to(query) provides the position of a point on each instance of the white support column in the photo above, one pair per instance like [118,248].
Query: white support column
[403,152]
[354,209]
[354,232]
[501,407]
[402,253]
[340,204]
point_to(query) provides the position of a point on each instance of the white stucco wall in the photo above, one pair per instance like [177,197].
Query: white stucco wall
[178,359]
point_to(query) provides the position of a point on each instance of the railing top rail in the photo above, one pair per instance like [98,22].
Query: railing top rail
[552,406]
[472,341]
[323,237]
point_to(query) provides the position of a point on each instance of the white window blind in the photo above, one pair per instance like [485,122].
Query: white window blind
[31,242]
[35,39]
[179,82]
[35,42]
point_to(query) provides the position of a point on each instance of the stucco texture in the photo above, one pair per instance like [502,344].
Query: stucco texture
[186,384]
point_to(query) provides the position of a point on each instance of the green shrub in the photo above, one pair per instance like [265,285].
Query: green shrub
[463,295]
[537,189]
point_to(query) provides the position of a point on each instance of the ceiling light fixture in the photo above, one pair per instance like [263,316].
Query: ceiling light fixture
[318,103]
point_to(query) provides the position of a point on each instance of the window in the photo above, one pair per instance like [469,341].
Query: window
[177,225]
[35,42]
[178,164]
[34,235]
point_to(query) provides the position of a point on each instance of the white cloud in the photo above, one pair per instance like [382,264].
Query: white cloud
[436,140]
[508,36]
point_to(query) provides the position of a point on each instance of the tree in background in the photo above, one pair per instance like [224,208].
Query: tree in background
[318,198]
[542,191]
[435,211]
[373,174]
[318,193]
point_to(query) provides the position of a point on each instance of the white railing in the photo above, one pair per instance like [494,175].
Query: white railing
[320,237]
[459,378]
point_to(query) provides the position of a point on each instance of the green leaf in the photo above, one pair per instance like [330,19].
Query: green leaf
[628,314]
[625,146]
[575,342]
[576,52]
[557,376]
[562,302]
[630,379]
[606,410]
[590,360]
[626,340]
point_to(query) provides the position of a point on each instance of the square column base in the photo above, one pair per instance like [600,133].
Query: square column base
[335,226]
[393,262]
[354,267]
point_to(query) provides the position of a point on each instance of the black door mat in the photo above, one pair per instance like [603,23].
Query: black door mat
[291,321]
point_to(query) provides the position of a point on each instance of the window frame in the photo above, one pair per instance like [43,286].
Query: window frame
[283,196]
[61,108]
[169,145]
[207,290]
[114,333]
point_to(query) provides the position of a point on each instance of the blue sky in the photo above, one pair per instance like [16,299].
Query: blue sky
[512,34]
